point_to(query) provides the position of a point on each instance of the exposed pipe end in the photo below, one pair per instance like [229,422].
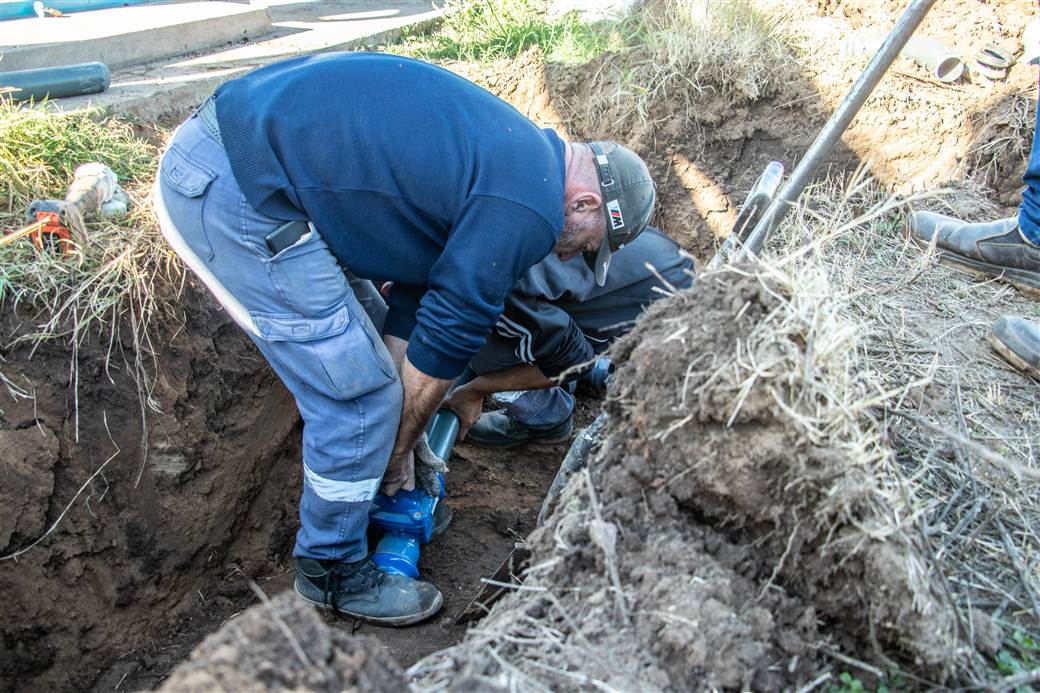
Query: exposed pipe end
[950,68]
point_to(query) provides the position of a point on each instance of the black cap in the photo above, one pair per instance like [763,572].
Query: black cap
[628,201]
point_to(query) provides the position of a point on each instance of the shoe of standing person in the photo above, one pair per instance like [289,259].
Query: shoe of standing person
[362,590]
[993,249]
[1018,341]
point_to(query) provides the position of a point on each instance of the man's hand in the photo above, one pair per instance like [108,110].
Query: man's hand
[468,400]
[467,403]
[422,396]
[399,474]
[419,468]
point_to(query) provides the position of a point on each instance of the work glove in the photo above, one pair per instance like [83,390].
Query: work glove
[427,468]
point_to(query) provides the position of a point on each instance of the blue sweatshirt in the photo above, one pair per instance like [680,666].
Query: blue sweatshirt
[411,174]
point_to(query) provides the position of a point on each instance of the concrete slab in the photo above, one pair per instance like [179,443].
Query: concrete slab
[170,89]
[125,36]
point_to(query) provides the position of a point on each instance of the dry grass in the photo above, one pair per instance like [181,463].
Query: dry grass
[109,289]
[1002,135]
[963,426]
[874,352]
[799,365]
[685,52]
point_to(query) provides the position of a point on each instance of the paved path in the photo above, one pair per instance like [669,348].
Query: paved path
[170,88]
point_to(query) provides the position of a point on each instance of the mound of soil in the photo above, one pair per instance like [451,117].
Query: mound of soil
[715,541]
[728,444]
[284,645]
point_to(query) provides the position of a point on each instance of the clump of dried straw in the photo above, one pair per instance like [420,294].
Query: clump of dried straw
[963,426]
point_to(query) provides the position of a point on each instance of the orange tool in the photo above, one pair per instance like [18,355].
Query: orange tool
[46,233]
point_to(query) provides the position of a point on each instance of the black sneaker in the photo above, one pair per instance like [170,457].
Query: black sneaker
[497,429]
[992,249]
[362,590]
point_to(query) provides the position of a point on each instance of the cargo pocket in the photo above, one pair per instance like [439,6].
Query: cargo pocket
[332,355]
[308,277]
[189,180]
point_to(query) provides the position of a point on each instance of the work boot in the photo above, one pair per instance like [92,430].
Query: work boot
[1018,341]
[362,590]
[498,429]
[993,249]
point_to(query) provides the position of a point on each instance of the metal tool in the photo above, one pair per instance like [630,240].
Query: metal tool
[46,233]
[52,223]
[834,128]
[755,205]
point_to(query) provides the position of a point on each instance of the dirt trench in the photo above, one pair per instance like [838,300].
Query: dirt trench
[134,559]
[135,574]
[138,571]
[714,542]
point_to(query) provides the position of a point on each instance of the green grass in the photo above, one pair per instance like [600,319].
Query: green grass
[484,30]
[670,52]
[849,683]
[1020,654]
[39,150]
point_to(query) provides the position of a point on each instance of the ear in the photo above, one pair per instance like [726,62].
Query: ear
[584,201]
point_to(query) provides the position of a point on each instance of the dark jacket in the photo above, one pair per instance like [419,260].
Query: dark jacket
[556,317]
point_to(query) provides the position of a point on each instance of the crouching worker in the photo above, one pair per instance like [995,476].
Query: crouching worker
[393,169]
[556,320]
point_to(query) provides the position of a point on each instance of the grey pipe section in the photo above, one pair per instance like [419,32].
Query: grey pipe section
[943,63]
[935,57]
[836,126]
[56,82]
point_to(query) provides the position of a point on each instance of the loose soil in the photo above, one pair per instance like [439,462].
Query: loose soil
[139,571]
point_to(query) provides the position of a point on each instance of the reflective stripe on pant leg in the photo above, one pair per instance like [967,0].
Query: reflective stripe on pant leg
[346,445]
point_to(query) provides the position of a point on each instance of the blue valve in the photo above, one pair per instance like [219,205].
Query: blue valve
[409,518]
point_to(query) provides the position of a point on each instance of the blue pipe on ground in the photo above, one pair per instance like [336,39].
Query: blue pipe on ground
[22,9]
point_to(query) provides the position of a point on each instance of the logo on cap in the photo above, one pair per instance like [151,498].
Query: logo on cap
[616,220]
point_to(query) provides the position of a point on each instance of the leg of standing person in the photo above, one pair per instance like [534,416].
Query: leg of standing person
[1005,248]
[299,309]
[1008,249]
